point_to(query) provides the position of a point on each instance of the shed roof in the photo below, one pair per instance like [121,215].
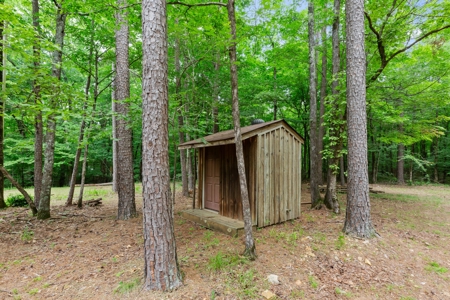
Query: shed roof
[227,137]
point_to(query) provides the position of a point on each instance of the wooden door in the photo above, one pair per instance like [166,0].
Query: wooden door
[212,179]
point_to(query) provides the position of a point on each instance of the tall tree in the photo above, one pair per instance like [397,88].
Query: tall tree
[38,124]
[357,220]
[126,191]
[323,93]
[313,133]
[161,267]
[44,204]
[336,116]
[250,249]
[2,106]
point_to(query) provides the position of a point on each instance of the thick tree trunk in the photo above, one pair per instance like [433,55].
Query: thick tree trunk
[323,91]
[125,170]
[161,267]
[313,133]
[21,190]
[44,201]
[38,125]
[2,108]
[250,249]
[357,220]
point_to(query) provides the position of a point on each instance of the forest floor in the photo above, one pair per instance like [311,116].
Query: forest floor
[88,254]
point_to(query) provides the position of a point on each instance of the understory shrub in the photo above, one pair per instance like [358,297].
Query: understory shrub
[17,201]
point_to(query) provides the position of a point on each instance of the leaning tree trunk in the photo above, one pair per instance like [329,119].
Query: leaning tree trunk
[161,268]
[21,190]
[83,176]
[2,107]
[44,201]
[250,250]
[357,220]
[125,170]
[313,135]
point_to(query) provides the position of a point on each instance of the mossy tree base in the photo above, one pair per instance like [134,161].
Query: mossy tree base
[43,214]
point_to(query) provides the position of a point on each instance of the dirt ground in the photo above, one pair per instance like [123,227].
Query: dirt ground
[87,254]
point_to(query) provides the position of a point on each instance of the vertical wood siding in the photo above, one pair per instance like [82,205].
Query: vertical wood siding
[278,177]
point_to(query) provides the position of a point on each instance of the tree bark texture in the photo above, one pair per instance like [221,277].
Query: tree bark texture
[161,267]
[215,105]
[250,249]
[400,164]
[313,135]
[323,94]
[357,220]
[49,153]
[125,170]
[2,108]
[38,123]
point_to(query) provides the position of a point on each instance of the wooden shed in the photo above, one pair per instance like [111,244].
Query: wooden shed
[272,153]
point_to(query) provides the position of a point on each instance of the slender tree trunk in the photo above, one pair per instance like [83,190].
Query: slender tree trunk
[250,249]
[38,125]
[342,170]
[44,201]
[125,170]
[161,268]
[181,139]
[357,220]
[435,154]
[215,106]
[313,133]
[83,177]
[73,178]
[114,130]
[2,107]
[400,164]
[323,92]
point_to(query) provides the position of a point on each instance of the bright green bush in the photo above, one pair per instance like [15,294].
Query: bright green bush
[17,201]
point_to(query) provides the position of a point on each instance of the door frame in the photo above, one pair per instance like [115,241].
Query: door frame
[204,183]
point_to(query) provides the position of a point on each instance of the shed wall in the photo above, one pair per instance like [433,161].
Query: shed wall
[278,177]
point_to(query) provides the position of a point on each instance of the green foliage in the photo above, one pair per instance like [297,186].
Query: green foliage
[127,286]
[17,201]
[435,267]
[340,242]
[27,235]
[221,261]
[313,282]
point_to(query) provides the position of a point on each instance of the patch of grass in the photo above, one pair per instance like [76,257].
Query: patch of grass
[313,282]
[246,283]
[114,259]
[297,294]
[38,278]
[127,286]
[220,261]
[45,285]
[340,242]
[95,193]
[119,273]
[292,238]
[319,237]
[339,291]
[33,291]
[15,291]
[208,235]
[407,298]
[435,267]
[27,235]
